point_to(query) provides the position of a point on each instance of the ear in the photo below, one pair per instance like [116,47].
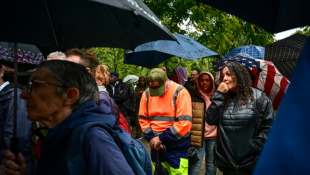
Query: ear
[88,69]
[71,96]
[1,72]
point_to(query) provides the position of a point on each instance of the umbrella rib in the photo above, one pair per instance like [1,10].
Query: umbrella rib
[49,16]
[132,48]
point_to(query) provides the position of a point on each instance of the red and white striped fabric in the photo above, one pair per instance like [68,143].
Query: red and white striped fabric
[271,81]
[268,78]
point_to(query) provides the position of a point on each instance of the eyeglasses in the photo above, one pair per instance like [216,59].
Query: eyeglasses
[30,84]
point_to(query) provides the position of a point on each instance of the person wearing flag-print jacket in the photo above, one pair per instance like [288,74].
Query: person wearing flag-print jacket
[165,117]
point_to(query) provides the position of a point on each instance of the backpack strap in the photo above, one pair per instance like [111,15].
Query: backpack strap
[74,150]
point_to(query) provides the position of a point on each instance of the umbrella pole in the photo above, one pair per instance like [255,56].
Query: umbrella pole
[14,140]
[166,63]
[208,65]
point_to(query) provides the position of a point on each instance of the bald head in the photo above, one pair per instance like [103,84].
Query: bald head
[194,76]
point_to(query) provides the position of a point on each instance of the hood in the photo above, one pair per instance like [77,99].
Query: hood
[204,95]
[213,84]
[89,111]
[182,75]
[103,89]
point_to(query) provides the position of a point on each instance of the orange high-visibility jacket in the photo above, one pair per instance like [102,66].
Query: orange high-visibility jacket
[172,111]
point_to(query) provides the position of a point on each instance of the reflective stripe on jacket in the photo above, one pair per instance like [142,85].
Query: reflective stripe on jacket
[171,111]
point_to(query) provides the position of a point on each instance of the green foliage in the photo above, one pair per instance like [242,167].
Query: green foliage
[215,29]
[304,31]
[113,58]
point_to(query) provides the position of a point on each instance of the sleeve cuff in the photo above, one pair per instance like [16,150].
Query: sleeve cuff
[161,137]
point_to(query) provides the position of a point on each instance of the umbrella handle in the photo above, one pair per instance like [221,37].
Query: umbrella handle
[14,147]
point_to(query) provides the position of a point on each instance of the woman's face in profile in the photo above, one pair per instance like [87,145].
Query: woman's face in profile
[229,79]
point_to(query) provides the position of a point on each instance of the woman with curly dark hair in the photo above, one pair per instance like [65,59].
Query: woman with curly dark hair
[243,115]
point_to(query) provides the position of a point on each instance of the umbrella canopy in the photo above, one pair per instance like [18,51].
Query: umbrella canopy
[285,53]
[66,24]
[151,54]
[266,76]
[28,55]
[130,79]
[273,16]
[252,50]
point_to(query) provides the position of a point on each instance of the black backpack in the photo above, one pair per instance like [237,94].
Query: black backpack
[130,103]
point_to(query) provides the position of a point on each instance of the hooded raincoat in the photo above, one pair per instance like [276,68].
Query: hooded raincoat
[102,155]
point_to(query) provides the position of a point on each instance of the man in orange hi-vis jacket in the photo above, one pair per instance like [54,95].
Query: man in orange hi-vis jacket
[165,117]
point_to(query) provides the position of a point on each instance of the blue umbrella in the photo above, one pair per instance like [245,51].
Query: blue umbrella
[152,53]
[252,50]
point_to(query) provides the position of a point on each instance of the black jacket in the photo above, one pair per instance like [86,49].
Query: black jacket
[120,98]
[191,88]
[241,132]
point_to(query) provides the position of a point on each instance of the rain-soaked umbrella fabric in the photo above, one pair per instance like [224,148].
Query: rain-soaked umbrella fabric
[272,15]
[285,53]
[153,53]
[64,24]
[252,50]
[29,56]
[266,76]
[130,79]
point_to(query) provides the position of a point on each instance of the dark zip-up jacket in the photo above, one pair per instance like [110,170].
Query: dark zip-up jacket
[120,98]
[241,132]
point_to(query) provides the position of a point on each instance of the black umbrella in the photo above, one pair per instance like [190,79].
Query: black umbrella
[285,53]
[28,56]
[63,24]
[272,15]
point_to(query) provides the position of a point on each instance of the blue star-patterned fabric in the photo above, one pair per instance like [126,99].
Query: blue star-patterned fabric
[244,59]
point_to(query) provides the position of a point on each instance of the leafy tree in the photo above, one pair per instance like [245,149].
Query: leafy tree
[114,58]
[215,29]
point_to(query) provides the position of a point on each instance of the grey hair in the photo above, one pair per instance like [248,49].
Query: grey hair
[69,75]
[61,55]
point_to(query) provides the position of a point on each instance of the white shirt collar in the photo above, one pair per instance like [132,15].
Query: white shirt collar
[3,85]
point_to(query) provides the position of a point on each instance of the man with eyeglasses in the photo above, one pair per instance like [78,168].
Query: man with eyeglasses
[6,119]
[62,101]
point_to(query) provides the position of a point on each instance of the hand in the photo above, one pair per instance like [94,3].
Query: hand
[156,143]
[120,91]
[10,167]
[223,88]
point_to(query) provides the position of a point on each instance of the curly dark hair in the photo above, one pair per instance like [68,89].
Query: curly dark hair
[240,74]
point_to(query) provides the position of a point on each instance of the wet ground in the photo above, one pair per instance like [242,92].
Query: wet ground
[147,145]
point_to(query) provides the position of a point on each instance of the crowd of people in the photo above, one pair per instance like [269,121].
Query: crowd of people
[184,120]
